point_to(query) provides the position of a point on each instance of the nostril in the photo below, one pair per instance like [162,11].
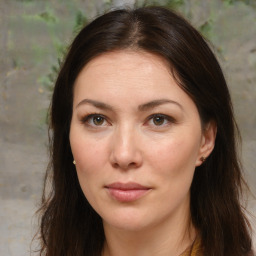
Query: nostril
[115,165]
[123,166]
[125,154]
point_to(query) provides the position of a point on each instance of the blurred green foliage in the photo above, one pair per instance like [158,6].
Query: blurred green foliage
[206,28]
[173,4]
[49,80]
[25,1]
[80,20]
[247,2]
[48,16]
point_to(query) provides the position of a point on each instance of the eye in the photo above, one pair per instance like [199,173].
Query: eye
[95,120]
[98,120]
[160,120]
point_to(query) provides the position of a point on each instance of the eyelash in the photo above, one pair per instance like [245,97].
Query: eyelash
[89,118]
[86,119]
[167,119]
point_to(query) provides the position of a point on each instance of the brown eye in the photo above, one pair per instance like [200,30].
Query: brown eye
[98,120]
[158,120]
[94,120]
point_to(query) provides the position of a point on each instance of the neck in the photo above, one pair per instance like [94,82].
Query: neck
[161,240]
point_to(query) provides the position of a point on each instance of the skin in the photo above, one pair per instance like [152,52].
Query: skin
[124,143]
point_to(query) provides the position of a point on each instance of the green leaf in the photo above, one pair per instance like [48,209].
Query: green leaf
[48,17]
[206,29]
[80,22]
[175,4]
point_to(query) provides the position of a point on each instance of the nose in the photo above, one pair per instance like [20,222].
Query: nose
[126,153]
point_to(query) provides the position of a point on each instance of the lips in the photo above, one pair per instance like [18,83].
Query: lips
[126,192]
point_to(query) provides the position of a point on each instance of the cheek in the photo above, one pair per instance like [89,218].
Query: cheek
[87,156]
[175,158]
[87,151]
[175,167]
[90,159]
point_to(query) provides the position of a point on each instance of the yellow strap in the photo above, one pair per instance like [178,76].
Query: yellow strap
[196,249]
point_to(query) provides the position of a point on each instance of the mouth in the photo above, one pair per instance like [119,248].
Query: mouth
[126,192]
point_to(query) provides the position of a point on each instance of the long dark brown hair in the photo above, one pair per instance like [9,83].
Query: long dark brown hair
[69,225]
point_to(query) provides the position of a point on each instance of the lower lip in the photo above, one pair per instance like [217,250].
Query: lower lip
[127,195]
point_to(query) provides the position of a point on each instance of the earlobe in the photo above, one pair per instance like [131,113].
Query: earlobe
[207,142]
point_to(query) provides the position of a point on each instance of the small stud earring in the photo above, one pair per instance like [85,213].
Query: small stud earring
[203,159]
[74,162]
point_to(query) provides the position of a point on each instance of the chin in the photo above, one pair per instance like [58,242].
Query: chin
[129,219]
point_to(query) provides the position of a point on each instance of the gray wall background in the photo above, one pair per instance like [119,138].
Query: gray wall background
[32,36]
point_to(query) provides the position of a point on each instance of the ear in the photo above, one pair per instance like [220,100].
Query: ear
[207,142]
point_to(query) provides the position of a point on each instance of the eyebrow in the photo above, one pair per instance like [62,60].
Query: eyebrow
[156,103]
[95,103]
[142,107]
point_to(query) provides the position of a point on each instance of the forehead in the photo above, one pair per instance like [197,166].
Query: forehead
[126,66]
[125,80]
[130,60]
[124,74]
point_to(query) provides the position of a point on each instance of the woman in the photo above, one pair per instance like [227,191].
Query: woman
[143,153]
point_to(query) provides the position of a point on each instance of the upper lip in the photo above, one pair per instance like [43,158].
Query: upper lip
[126,186]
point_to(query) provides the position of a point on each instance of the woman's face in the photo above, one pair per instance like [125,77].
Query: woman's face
[136,138]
